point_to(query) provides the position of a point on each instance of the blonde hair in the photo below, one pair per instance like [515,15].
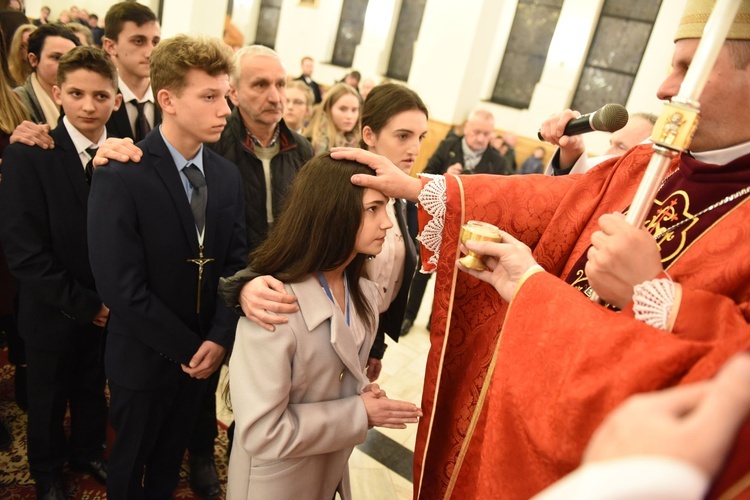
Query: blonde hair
[174,57]
[305,89]
[19,66]
[12,110]
[321,130]
[77,28]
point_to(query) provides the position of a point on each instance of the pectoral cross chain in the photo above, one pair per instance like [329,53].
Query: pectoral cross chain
[200,262]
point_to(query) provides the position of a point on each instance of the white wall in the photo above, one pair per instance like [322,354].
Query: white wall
[308,31]
[98,7]
[457,55]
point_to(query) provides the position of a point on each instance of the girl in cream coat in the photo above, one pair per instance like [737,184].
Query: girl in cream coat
[300,396]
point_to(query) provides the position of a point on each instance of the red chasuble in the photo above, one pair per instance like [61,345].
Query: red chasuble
[513,392]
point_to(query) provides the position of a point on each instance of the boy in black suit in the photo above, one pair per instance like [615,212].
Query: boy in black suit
[161,234]
[43,198]
[131,32]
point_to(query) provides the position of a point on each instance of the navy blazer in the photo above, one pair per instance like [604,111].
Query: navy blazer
[43,204]
[141,235]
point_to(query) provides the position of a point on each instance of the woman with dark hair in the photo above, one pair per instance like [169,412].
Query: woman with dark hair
[394,122]
[300,396]
[46,45]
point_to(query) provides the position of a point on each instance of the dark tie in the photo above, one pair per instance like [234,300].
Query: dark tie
[142,128]
[200,195]
[89,169]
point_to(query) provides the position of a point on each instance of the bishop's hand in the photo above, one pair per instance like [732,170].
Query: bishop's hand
[553,130]
[389,180]
[621,256]
[506,263]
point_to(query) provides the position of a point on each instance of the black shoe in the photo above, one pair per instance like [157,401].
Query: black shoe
[19,385]
[96,468]
[6,438]
[204,480]
[50,491]
[406,326]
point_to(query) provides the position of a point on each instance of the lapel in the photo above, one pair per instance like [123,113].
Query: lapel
[400,208]
[484,166]
[71,163]
[212,206]
[456,154]
[119,124]
[167,170]
[316,307]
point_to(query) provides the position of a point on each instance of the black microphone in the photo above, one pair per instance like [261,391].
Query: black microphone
[609,118]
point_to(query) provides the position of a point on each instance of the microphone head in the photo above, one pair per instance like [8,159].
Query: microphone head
[610,117]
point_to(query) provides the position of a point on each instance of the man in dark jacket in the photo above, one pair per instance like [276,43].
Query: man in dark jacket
[470,154]
[257,140]
[307,65]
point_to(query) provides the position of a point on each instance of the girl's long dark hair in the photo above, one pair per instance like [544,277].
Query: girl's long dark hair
[318,228]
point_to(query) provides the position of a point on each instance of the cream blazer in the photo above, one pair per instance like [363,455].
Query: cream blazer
[295,399]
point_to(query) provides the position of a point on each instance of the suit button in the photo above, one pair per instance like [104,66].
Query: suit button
[341,377]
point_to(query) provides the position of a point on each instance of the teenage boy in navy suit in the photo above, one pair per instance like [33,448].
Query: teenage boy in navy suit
[161,234]
[43,199]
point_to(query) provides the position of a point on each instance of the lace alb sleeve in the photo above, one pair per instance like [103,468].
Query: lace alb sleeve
[655,302]
[433,199]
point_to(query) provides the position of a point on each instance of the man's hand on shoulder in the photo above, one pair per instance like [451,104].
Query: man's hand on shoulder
[263,294]
[122,150]
[32,134]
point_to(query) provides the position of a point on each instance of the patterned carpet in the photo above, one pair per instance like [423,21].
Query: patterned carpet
[15,481]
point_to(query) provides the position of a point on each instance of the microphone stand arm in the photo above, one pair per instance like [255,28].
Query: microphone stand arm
[678,120]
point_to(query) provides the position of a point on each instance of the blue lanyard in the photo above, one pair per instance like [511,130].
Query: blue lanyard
[324,284]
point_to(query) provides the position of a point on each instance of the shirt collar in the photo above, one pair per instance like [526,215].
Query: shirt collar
[80,141]
[257,143]
[179,160]
[722,156]
[128,95]
[468,151]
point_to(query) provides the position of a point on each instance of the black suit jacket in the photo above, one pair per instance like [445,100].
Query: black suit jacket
[118,124]
[141,235]
[314,86]
[449,151]
[390,320]
[43,205]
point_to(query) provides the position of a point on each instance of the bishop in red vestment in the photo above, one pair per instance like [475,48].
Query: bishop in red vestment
[515,387]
